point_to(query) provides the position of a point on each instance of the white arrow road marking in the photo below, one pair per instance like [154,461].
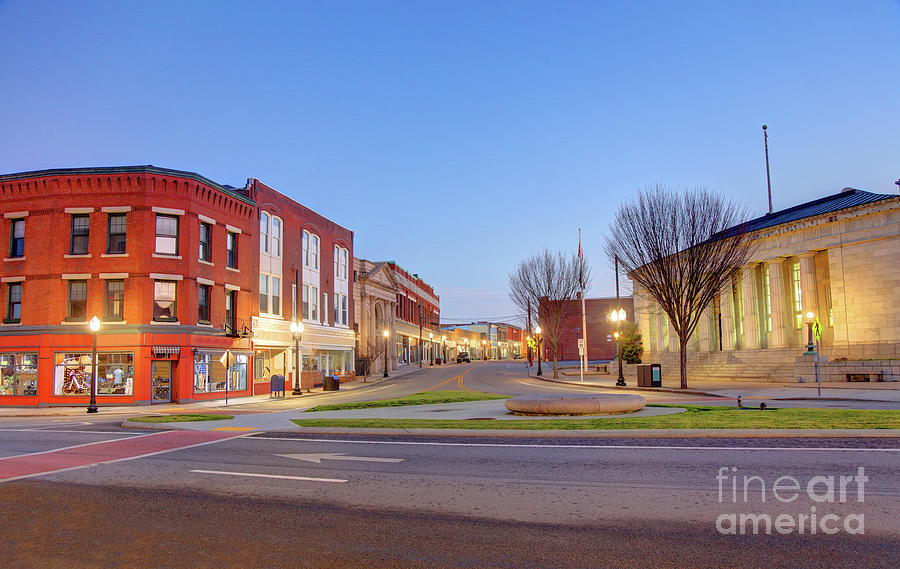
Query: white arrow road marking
[317,458]
[279,476]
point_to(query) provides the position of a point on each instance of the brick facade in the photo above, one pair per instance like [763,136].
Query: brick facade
[44,204]
[600,329]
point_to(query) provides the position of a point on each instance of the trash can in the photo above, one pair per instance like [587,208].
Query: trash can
[655,375]
[331,383]
[643,375]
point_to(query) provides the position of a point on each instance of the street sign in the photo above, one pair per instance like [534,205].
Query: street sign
[581,343]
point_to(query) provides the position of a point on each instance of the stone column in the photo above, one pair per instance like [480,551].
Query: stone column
[660,322]
[751,308]
[704,343]
[392,341]
[776,298]
[363,310]
[674,343]
[809,290]
[726,304]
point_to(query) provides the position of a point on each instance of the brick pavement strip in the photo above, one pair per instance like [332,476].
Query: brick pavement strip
[103,452]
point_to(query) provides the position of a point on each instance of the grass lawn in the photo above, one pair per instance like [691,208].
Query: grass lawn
[180,418]
[695,417]
[423,398]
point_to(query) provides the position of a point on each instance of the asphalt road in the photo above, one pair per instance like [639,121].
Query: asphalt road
[304,501]
[82,492]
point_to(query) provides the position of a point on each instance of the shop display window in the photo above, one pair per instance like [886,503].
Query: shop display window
[115,373]
[209,372]
[18,374]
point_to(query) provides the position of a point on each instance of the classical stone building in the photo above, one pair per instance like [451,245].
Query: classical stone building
[375,297]
[836,257]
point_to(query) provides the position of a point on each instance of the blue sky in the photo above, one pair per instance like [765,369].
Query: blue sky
[458,138]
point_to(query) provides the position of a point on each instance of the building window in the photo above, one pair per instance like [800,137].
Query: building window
[205,240]
[115,373]
[795,287]
[114,301]
[340,309]
[264,231]
[203,292]
[276,236]
[77,309]
[310,302]
[768,296]
[263,294]
[115,233]
[230,311]
[231,244]
[276,296]
[14,303]
[310,250]
[341,263]
[166,234]
[81,226]
[17,238]
[210,373]
[18,374]
[164,307]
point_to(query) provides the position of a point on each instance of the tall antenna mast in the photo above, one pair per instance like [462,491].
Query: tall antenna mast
[768,179]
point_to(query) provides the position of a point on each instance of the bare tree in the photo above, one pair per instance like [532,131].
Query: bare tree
[680,247]
[544,286]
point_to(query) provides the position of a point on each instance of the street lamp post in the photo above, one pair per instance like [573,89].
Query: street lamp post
[386,334]
[297,334]
[810,346]
[618,316]
[483,350]
[538,332]
[94,325]
[444,350]
[431,348]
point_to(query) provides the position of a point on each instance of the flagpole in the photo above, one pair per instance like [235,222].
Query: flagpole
[583,355]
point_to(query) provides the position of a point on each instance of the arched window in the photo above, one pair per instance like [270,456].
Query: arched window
[264,231]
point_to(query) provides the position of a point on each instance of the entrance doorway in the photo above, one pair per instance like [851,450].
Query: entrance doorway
[161,374]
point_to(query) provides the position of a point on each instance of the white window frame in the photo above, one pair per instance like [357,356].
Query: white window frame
[264,231]
[277,225]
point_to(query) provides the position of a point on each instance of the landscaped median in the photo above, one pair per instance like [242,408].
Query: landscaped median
[693,417]
[422,398]
[182,418]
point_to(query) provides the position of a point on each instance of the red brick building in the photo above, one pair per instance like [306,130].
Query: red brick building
[163,258]
[600,329]
[304,263]
[417,315]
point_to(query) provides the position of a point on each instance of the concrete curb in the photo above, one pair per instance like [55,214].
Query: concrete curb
[569,434]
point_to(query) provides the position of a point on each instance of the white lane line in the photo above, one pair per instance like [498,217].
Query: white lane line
[614,447]
[279,476]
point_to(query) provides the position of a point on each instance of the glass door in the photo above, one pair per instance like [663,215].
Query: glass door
[161,372]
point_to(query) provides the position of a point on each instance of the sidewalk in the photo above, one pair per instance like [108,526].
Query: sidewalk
[254,404]
[876,392]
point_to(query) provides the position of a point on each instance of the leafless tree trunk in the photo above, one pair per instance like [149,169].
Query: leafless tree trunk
[680,248]
[544,285]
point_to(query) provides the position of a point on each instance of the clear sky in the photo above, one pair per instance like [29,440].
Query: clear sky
[457,137]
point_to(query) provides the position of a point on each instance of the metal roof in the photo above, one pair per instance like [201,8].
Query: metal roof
[848,197]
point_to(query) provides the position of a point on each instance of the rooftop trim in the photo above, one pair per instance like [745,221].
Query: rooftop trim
[107,170]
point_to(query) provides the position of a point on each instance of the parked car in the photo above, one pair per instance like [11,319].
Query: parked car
[463,357]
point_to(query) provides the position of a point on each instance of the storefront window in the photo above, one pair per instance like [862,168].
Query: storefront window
[209,372]
[18,374]
[115,373]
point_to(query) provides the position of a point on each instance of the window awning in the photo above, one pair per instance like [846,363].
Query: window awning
[166,350]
